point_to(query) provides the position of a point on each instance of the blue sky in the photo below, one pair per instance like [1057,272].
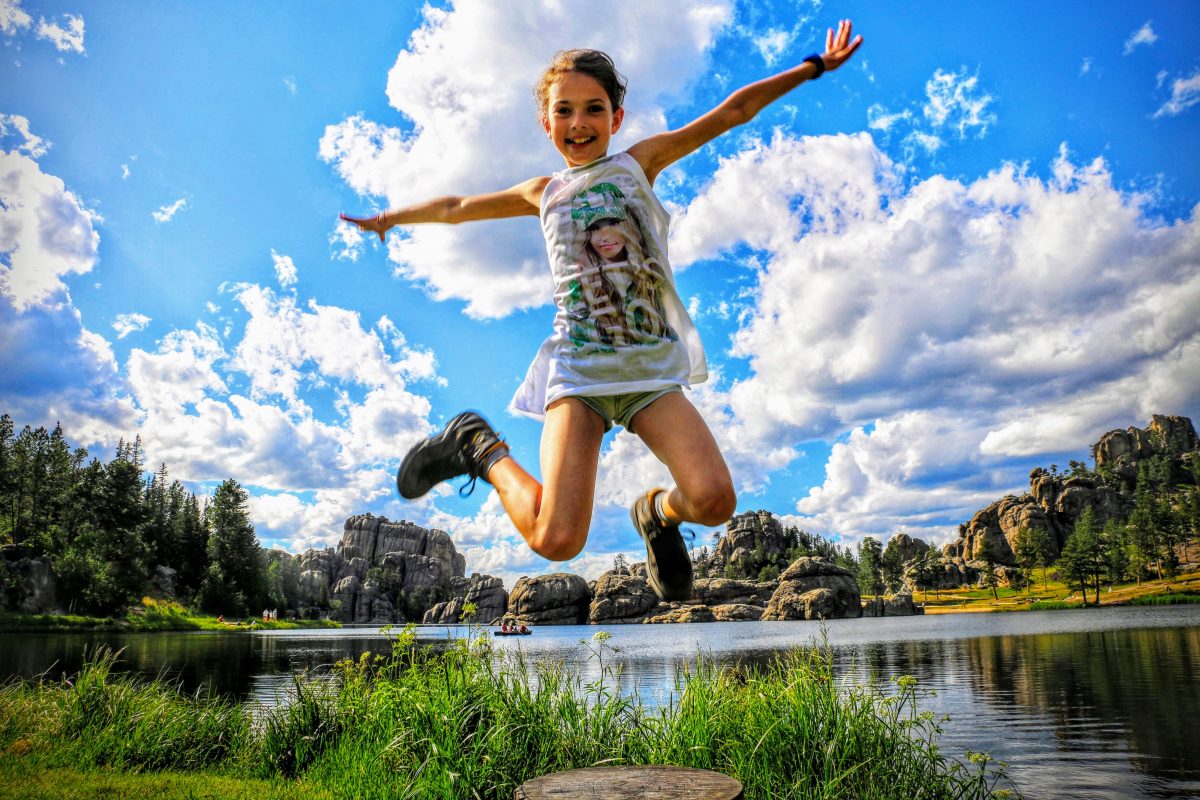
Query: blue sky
[971,251]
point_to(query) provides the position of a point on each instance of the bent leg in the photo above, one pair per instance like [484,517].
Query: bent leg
[675,432]
[554,517]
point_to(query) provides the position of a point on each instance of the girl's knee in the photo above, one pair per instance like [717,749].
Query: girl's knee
[715,505]
[558,542]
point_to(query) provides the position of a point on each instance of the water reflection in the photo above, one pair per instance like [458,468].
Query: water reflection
[1094,704]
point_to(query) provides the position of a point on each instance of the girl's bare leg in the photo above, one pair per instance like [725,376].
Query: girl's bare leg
[554,517]
[675,432]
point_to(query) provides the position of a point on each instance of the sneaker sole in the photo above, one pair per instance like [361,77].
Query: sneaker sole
[411,481]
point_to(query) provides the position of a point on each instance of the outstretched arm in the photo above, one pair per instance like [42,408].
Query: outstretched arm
[520,200]
[661,150]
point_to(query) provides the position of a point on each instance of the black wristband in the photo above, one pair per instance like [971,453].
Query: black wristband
[818,62]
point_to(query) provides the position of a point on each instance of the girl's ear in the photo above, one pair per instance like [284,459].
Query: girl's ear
[618,118]
[545,123]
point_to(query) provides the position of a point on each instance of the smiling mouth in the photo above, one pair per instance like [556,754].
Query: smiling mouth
[581,140]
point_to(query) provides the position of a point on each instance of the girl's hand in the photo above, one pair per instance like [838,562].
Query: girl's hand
[373,224]
[838,46]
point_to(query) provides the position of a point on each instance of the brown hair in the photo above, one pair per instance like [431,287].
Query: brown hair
[594,63]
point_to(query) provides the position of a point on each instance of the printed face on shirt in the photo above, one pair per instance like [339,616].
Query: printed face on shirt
[608,240]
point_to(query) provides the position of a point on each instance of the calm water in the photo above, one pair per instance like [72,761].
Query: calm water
[1085,704]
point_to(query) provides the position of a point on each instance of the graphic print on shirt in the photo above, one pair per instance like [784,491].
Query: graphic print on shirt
[615,298]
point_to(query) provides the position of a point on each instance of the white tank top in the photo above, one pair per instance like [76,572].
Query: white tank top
[619,325]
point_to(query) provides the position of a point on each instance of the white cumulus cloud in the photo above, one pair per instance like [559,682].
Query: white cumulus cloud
[13,18]
[1142,36]
[1185,93]
[46,233]
[955,100]
[285,269]
[125,324]
[65,37]
[167,212]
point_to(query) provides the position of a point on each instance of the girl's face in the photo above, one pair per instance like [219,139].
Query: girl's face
[580,119]
[608,241]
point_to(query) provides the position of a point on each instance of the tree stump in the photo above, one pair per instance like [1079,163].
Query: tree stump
[656,782]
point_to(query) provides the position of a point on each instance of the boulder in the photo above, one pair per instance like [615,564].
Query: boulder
[320,571]
[907,547]
[371,604]
[899,606]
[344,598]
[163,582]
[721,591]
[675,613]
[621,597]
[561,598]
[27,583]
[737,612]
[486,592]
[814,588]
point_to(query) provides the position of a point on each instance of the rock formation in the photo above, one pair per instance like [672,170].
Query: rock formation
[1119,452]
[813,588]
[1053,504]
[386,572]
[1055,501]
[561,598]
[752,541]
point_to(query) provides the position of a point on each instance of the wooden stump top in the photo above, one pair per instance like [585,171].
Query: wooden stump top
[655,782]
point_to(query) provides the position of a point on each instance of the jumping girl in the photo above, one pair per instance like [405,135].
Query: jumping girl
[619,352]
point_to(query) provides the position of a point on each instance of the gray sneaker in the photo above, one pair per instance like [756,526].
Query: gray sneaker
[466,446]
[668,566]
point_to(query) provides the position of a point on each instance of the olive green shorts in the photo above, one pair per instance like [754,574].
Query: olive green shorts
[620,408]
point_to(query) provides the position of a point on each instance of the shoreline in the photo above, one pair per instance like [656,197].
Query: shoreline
[163,616]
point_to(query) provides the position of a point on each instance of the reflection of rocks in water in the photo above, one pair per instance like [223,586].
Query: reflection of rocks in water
[1144,679]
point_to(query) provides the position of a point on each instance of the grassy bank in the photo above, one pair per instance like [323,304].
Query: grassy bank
[148,616]
[1184,588]
[468,723]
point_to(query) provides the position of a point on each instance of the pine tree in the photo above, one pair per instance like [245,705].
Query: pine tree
[1028,553]
[870,558]
[1082,559]
[233,582]
[1116,552]
[989,577]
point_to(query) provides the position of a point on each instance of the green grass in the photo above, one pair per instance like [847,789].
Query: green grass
[1056,605]
[1169,599]
[467,722]
[148,616]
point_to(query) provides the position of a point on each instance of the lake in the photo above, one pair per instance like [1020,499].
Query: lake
[1099,703]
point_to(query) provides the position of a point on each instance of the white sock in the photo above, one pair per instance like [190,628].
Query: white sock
[660,509]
